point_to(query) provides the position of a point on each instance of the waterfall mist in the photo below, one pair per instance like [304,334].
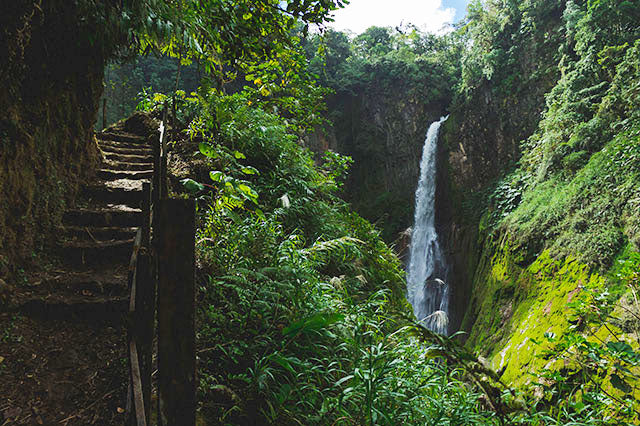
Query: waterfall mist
[427,290]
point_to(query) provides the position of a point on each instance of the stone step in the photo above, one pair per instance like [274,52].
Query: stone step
[128,158]
[113,215]
[92,253]
[119,165]
[112,310]
[90,283]
[121,137]
[116,144]
[101,233]
[110,193]
[127,151]
[109,174]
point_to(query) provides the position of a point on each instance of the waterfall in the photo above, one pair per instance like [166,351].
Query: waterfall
[427,290]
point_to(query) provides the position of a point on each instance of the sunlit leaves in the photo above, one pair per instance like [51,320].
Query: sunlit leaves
[192,186]
[207,150]
[216,176]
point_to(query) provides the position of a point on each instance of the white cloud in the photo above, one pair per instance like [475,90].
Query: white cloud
[428,15]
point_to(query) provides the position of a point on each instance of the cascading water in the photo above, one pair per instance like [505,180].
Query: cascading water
[427,290]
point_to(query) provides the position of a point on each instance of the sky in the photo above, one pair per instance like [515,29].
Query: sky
[429,15]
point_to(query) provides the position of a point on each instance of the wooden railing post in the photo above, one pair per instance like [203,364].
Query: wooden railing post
[176,313]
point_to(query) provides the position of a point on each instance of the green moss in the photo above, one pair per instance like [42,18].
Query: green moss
[517,306]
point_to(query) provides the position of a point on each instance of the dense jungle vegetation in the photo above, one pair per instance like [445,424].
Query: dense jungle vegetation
[301,316]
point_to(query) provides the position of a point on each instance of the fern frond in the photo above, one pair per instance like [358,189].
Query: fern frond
[340,245]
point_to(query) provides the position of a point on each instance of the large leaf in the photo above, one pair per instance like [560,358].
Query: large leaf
[249,170]
[191,185]
[207,150]
[216,175]
[620,384]
[311,323]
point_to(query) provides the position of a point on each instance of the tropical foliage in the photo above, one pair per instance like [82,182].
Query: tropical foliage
[569,208]
[302,317]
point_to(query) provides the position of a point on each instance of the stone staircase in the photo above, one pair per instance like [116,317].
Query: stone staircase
[96,239]
[69,355]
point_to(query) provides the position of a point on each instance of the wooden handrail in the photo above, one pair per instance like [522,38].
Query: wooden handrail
[133,265]
[135,378]
[143,279]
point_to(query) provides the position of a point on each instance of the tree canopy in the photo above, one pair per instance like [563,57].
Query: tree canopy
[215,32]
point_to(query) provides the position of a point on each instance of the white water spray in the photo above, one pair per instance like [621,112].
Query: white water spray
[427,290]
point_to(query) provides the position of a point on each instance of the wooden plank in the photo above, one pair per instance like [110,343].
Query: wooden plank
[176,313]
[144,323]
[138,398]
[132,278]
[146,214]
[133,263]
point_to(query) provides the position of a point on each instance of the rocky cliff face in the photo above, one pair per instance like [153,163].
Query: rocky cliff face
[384,134]
[480,143]
[51,82]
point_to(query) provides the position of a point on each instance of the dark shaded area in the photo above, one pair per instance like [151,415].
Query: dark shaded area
[51,78]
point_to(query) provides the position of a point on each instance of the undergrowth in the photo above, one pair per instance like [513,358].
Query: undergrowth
[302,317]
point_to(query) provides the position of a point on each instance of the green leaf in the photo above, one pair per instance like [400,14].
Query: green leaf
[191,185]
[239,155]
[314,322]
[260,214]
[247,192]
[207,150]
[216,175]
[244,188]
[620,347]
[343,380]
[249,170]
[620,384]
[283,362]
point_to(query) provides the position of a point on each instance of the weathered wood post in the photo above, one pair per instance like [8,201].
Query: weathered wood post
[176,313]
[135,397]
